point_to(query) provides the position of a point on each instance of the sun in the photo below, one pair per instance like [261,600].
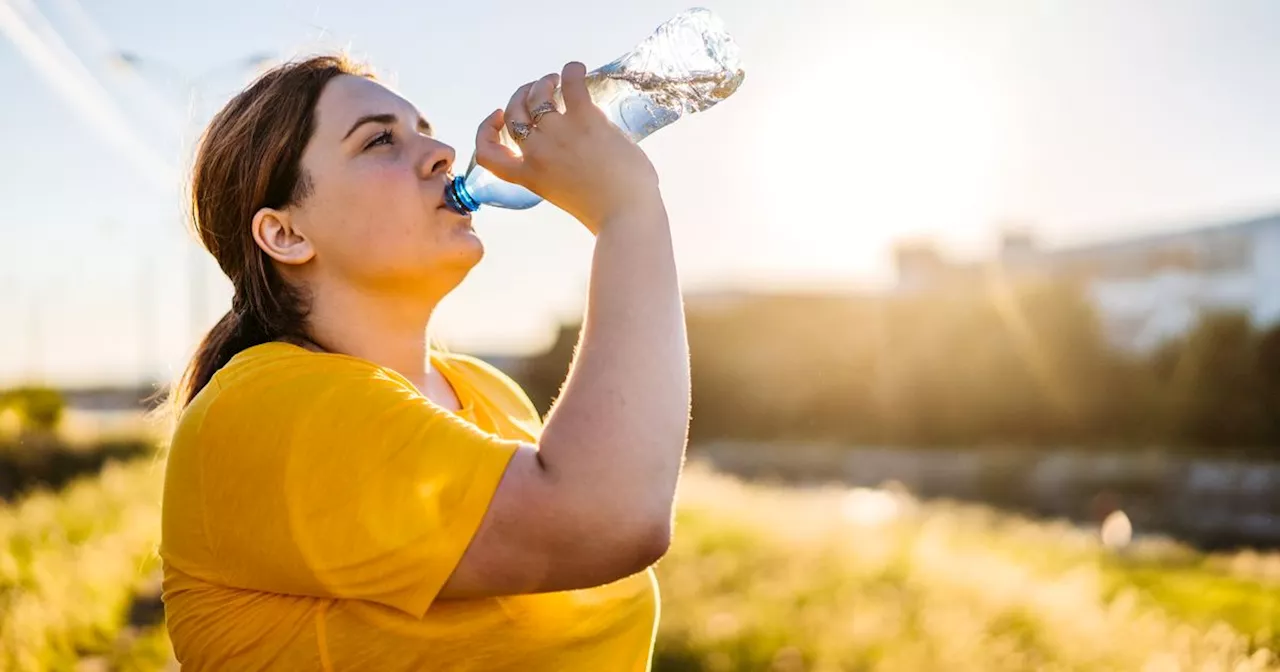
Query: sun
[899,138]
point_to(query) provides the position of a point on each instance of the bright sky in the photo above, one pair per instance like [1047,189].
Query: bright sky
[860,122]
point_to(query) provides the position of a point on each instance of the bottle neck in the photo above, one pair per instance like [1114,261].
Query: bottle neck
[459,198]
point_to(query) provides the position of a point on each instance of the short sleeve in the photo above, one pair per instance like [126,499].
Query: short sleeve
[340,480]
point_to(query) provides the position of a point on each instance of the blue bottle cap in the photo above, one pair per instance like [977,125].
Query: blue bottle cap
[458,198]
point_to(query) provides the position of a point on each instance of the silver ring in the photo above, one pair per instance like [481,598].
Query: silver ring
[542,110]
[520,130]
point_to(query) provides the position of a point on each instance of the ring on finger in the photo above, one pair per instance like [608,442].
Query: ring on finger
[520,130]
[542,110]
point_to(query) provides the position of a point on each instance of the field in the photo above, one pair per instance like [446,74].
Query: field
[765,578]
[76,567]
[760,578]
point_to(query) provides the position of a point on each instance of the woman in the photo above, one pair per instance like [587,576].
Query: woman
[339,496]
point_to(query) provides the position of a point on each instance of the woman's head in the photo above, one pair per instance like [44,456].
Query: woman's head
[318,180]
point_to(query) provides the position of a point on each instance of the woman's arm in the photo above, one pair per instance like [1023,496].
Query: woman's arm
[593,502]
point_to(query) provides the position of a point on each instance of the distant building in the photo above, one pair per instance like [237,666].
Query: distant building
[112,399]
[1147,289]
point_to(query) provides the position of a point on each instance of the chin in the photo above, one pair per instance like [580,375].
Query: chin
[472,247]
[464,254]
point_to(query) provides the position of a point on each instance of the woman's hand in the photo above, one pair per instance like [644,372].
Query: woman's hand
[573,157]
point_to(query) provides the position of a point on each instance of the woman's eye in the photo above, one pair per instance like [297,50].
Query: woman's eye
[383,138]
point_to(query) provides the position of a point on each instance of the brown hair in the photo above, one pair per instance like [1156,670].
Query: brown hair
[248,159]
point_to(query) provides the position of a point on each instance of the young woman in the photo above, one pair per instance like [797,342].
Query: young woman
[338,495]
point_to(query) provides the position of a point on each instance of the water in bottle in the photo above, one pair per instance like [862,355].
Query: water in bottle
[687,65]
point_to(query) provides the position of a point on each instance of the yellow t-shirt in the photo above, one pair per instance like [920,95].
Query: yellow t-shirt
[315,504]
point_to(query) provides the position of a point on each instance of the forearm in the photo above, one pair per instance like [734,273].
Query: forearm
[619,429]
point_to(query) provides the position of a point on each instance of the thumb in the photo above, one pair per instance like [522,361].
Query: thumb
[498,158]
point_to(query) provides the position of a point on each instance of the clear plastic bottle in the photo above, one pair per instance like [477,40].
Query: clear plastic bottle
[687,65]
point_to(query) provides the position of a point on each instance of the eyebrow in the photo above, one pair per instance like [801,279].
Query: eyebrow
[385,118]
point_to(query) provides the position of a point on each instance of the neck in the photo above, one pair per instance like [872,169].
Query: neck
[389,331]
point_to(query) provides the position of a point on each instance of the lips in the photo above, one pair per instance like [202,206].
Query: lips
[442,201]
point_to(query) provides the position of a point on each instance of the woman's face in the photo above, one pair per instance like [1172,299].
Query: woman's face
[374,215]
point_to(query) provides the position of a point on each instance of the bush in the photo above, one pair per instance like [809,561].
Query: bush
[39,409]
[50,463]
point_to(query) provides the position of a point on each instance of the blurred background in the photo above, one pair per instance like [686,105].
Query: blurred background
[983,299]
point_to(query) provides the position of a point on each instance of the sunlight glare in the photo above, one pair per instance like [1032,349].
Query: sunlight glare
[910,143]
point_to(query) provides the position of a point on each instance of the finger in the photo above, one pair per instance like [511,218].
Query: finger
[541,98]
[500,159]
[516,112]
[573,84]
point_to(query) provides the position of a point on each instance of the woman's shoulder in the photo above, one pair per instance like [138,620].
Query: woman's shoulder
[273,377]
[276,395]
[283,366]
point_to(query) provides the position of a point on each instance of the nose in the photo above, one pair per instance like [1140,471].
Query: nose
[437,158]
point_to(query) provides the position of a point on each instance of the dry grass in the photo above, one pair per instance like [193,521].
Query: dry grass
[760,578]
[770,578]
[70,564]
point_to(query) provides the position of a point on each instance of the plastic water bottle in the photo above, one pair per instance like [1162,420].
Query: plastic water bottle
[687,65]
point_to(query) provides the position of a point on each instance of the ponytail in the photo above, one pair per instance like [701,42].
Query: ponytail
[236,332]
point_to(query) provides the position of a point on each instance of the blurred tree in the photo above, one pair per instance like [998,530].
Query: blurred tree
[1268,369]
[1215,389]
[542,375]
[776,366]
[39,409]
[996,362]
[987,361]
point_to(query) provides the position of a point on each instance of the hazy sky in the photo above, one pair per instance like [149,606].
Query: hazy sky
[859,122]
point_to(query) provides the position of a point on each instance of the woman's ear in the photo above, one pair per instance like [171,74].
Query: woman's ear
[273,232]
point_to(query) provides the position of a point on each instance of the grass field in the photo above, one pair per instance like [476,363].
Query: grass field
[780,579]
[71,565]
[760,578]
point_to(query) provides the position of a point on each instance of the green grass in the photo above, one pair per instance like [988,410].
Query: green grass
[760,578]
[765,578]
[1198,595]
[70,564]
